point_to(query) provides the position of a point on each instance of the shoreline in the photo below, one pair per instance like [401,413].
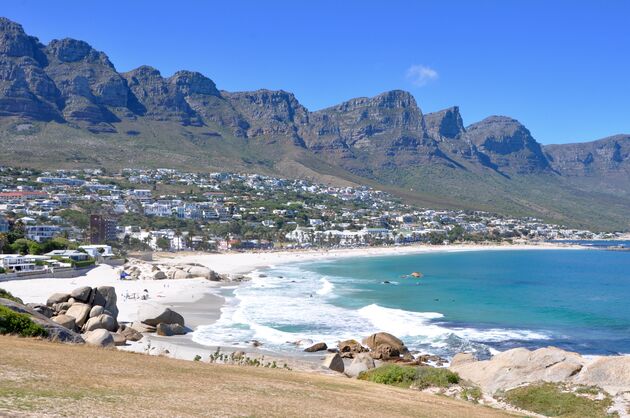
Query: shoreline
[201,302]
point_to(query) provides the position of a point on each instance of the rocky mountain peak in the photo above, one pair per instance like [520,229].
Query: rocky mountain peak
[445,124]
[14,42]
[508,144]
[72,50]
[192,82]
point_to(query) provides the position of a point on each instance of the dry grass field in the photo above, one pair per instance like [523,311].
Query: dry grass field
[39,378]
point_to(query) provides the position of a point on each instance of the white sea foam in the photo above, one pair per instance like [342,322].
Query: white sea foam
[278,311]
[327,287]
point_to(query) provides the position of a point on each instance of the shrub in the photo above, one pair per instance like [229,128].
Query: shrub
[2,270]
[555,401]
[407,376]
[20,324]
[7,295]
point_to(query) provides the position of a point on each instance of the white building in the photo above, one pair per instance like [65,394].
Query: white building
[41,233]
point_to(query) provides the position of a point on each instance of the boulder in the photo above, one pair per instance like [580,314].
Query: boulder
[349,348]
[462,358]
[153,315]
[55,331]
[168,330]
[177,274]
[81,294]
[105,296]
[611,373]
[130,334]
[96,311]
[80,312]
[42,309]
[316,347]
[361,362]
[119,339]
[99,337]
[102,321]
[65,321]
[57,298]
[519,366]
[333,362]
[140,327]
[62,306]
[159,275]
[385,346]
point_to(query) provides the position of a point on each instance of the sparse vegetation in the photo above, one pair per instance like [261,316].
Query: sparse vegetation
[408,376]
[555,400]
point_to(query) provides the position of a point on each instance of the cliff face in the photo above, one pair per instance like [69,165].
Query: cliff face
[508,145]
[605,156]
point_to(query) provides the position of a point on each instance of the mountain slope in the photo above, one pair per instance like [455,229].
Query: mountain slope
[64,105]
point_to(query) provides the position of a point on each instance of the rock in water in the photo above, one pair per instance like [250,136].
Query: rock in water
[81,294]
[316,347]
[334,362]
[153,315]
[361,363]
[65,321]
[385,345]
[100,337]
[80,312]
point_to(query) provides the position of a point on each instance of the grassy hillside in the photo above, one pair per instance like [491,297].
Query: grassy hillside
[40,378]
[152,144]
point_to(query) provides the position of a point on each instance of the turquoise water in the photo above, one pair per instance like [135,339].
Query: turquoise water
[475,300]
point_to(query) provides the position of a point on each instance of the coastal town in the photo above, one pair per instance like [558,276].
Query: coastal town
[78,216]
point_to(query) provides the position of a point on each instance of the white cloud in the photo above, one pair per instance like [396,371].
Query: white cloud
[420,75]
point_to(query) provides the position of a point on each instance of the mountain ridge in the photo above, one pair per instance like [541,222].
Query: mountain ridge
[66,104]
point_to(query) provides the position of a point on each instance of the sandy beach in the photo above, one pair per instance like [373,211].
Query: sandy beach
[200,301]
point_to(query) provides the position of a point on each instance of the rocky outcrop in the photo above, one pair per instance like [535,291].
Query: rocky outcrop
[140,270]
[508,145]
[605,157]
[520,366]
[350,348]
[444,124]
[385,346]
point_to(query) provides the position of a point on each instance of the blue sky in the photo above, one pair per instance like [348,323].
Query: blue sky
[560,67]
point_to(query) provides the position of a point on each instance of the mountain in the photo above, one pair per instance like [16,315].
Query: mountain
[64,105]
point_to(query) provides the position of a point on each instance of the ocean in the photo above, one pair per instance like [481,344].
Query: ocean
[480,301]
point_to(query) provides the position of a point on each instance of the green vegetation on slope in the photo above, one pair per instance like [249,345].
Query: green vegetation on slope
[15,323]
[552,400]
[406,376]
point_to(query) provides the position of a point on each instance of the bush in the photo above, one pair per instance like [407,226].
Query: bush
[553,400]
[81,264]
[6,295]
[19,324]
[406,376]
[2,270]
